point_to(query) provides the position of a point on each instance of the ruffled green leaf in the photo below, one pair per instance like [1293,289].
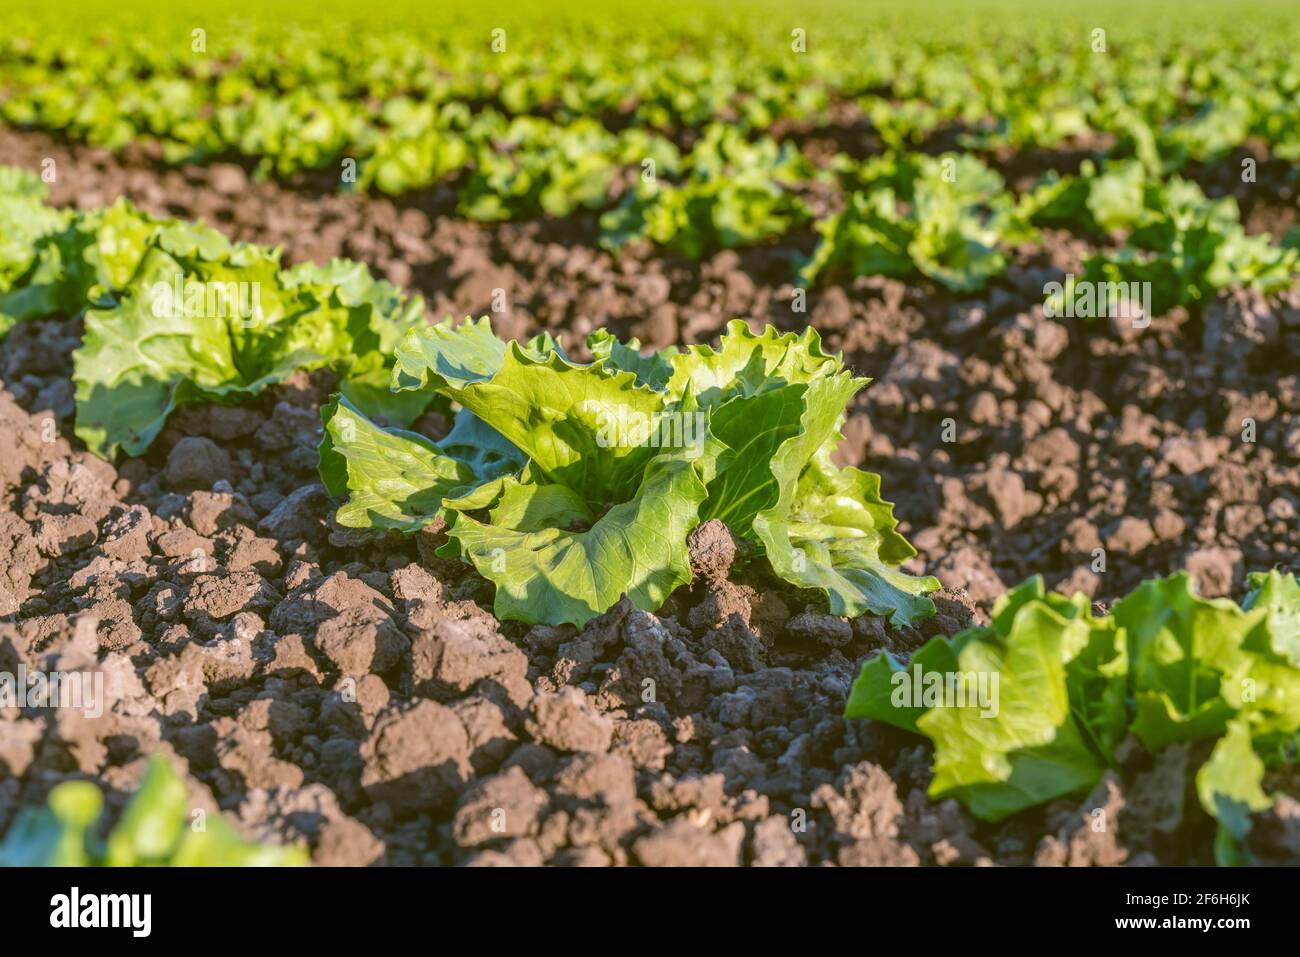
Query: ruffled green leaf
[829,528]
[549,566]
[1020,712]
[1165,665]
[1230,788]
[394,479]
[485,450]
[1280,594]
[653,371]
[1185,654]
[191,330]
[368,388]
[395,313]
[745,363]
[1026,748]
[447,357]
[584,426]
[881,693]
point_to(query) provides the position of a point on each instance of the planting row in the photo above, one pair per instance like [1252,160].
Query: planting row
[396,91]
[949,219]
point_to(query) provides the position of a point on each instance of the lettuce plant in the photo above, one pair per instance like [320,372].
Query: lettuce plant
[203,320]
[24,221]
[1164,666]
[568,484]
[154,830]
[546,169]
[176,313]
[736,193]
[1188,247]
[1184,244]
[946,218]
[89,261]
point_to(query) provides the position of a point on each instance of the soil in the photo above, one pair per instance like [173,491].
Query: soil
[355,693]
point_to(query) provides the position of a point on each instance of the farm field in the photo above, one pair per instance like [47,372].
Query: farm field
[492,437]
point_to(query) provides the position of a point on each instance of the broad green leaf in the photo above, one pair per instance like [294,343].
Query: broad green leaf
[1096,674]
[1028,748]
[545,572]
[829,528]
[369,390]
[584,427]
[1008,604]
[1230,787]
[652,370]
[885,688]
[393,479]
[1280,594]
[1185,653]
[485,450]
[753,428]
[869,238]
[445,357]
[530,507]
[956,242]
[1096,660]
[1055,199]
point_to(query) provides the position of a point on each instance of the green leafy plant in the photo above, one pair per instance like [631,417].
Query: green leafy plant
[736,193]
[24,221]
[942,217]
[535,168]
[202,320]
[570,484]
[403,159]
[1184,244]
[91,260]
[1164,666]
[1188,246]
[154,830]
[175,313]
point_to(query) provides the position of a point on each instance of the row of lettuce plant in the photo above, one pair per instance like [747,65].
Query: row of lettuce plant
[294,99]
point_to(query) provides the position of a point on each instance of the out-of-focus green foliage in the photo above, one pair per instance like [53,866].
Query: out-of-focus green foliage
[689,124]
[156,829]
